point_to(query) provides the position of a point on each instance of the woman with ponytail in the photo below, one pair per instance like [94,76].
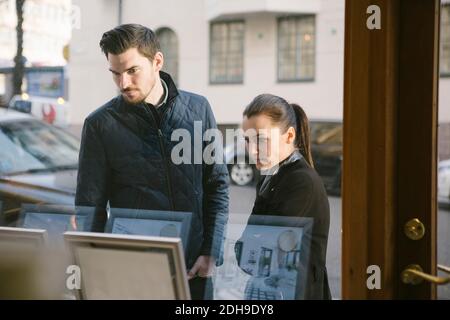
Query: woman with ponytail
[278,139]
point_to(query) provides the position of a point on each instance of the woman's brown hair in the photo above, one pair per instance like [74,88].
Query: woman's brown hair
[284,115]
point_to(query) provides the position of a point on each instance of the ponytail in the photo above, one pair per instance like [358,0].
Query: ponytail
[302,140]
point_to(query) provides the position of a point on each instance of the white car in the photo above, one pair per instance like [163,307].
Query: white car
[444,183]
[51,110]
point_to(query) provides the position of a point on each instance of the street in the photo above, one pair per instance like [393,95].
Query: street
[241,201]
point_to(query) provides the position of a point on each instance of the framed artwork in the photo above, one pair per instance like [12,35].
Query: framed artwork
[150,223]
[56,219]
[116,266]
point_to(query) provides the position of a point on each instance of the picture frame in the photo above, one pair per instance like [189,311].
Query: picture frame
[116,266]
[150,223]
[27,271]
[269,253]
[36,238]
[56,219]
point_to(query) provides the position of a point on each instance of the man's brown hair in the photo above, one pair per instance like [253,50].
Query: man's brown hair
[127,36]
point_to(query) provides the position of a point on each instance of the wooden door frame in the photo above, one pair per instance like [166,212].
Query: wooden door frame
[390,145]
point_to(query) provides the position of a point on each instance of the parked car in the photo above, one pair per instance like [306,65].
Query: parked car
[38,163]
[51,110]
[444,183]
[241,171]
[326,147]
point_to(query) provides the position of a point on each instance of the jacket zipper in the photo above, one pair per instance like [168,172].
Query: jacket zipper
[157,119]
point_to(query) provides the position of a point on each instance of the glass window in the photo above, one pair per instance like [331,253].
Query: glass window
[296,48]
[169,47]
[227,52]
[445,40]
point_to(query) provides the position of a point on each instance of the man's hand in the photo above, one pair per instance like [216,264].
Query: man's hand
[203,267]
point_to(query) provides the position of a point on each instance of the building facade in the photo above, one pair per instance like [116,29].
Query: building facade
[47,29]
[230,51]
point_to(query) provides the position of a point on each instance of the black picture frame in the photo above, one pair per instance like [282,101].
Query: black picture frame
[301,255]
[62,213]
[182,217]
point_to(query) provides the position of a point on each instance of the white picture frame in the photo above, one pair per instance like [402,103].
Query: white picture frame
[115,266]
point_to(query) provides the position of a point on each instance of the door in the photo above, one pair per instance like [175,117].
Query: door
[390,150]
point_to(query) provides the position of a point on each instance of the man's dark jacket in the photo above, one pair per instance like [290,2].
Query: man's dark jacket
[125,158]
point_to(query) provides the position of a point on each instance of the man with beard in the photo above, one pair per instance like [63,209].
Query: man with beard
[126,147]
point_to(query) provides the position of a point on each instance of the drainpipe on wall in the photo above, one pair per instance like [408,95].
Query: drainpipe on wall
[120,12]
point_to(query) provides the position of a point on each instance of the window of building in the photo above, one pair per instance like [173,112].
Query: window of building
[169,47]
[227,52]
[445,40]
[296,48]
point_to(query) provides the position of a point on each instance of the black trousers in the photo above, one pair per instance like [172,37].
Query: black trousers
[201,288]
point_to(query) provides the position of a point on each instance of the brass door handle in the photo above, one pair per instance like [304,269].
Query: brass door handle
[413,274]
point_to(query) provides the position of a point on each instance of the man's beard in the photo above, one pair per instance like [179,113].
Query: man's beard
[138,100]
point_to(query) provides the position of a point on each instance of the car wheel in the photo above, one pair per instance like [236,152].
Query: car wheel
[242,174]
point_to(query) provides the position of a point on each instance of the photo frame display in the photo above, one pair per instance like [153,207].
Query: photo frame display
[56,219]
[115,266]
[150,223]
[269,253]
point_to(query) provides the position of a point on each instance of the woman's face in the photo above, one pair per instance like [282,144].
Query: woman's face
[266,143]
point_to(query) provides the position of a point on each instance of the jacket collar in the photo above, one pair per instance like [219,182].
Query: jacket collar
[172,93]
[293,157]
[166,94]
[270,173]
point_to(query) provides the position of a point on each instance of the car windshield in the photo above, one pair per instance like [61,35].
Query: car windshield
[326,133]
[31,146]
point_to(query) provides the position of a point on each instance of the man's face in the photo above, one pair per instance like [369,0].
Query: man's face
[134,74]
